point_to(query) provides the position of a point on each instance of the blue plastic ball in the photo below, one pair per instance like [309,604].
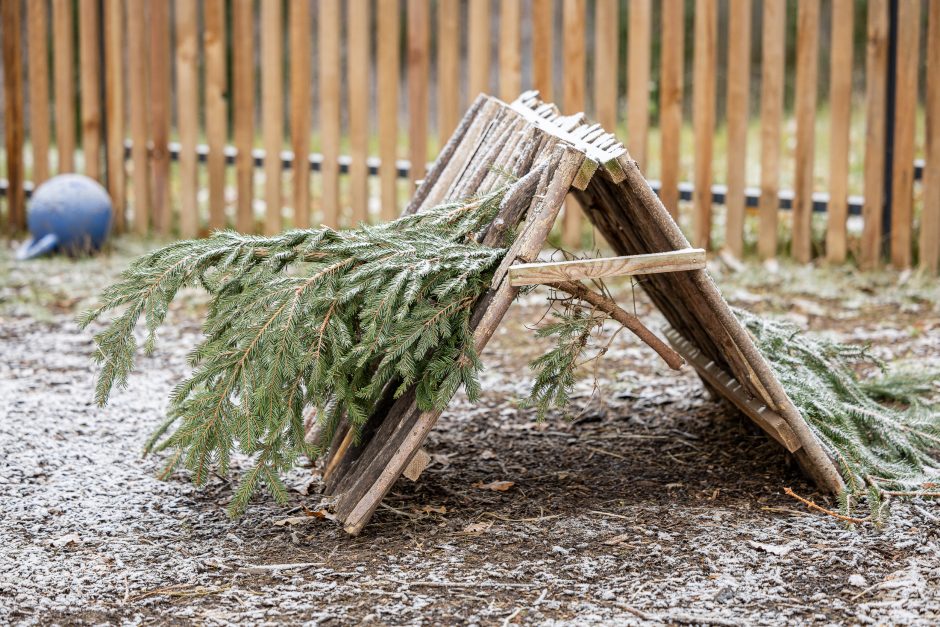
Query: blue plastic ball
[69,213]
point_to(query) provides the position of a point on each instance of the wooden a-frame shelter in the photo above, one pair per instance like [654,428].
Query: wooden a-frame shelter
[551,155]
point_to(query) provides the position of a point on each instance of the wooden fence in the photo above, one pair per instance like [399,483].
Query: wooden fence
[149,90]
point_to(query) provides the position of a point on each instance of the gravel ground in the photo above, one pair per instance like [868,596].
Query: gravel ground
[654,504]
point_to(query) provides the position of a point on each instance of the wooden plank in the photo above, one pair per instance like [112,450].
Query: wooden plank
[905,122]
[216,108]
[876,71]
[510,62]
[770,421]
[300,55]
[38,51]
[62,64]
[358,54]
[739,87]
[478,47]
[243,113]
[670,100]
[448,67]
[89,63]
[638,79]
[272,113]
[840,112]
[187,112]
[160,111]
[704,69]
[419,16]
[807,66]
[387,55]
[114,109]
[137,90]
[606,44]
[543,37]
[573,44]
[773,62]
[329,37]
[586,269]
[13,101]
[930,218]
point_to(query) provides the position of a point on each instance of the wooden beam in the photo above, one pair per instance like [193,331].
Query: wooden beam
[655,263]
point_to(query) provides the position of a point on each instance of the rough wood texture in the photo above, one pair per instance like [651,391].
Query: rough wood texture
[581,269]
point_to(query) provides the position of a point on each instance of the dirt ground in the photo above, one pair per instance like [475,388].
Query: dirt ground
[654,504]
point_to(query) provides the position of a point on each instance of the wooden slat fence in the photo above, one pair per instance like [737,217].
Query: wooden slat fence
[257,115]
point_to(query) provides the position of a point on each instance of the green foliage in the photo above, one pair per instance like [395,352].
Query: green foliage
[884,431]
[324,318]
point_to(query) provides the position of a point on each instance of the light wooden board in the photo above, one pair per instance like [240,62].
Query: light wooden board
[216,108]
[606,43]
[771,117]
[930,218]
[243,112]
[574,16]
[37,16]
[137,90]
[272,113]
[840,111]
[115,114]
[419,16]
[876,66]
[387,72]
[62,62]
[359,55]
[89,63]
[510,62]
[739,87]
[448,67]
[543,41]
[586,269]
[704,70]
[639,53]
[807,61]
[187,113]
[329,55]
[670,101]
[300,79]
[905,122]
[160,111]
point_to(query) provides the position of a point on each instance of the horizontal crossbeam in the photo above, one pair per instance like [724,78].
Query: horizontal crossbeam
[551,272]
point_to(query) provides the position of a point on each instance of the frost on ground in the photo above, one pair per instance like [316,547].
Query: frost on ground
[653,504]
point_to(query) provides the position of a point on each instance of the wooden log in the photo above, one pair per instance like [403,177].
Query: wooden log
[630,265]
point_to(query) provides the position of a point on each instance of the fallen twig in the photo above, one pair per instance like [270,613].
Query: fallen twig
[828,512]
[273,568]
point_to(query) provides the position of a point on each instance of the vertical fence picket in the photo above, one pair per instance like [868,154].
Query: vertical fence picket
[573,19]
[89,59]
[670,101]
[38,51]
[358,79]
[272,113]
[114,108]
[930,218]
[773,63]
[329,38]
[606,30]
[739,87]
[703,117]
[638,79]
[62,55]
[137,89]
[300,53]
[13,101]
[448,68]
[160,110]
[876,66]
[905,120]
[478,48]
[216,114]
[187,112]
[840,111]
[418,65]
[243,113]
[543,51]
[510,78]
[387,75]
[807,63]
